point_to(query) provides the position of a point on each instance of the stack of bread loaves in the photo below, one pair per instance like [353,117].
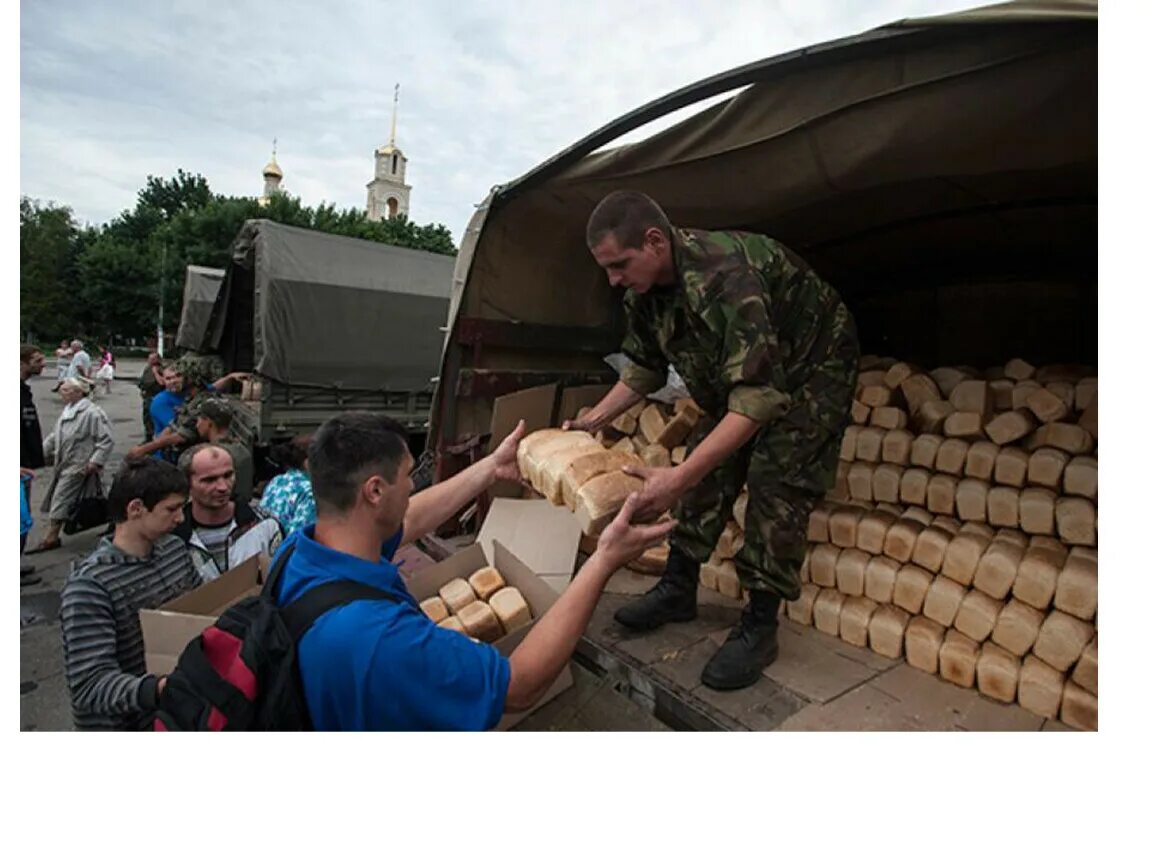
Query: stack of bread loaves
[482,606]
[968,545]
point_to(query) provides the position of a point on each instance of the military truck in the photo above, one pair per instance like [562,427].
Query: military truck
[327,324]
[941,173]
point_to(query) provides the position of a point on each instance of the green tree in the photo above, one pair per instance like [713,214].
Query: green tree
[49,244]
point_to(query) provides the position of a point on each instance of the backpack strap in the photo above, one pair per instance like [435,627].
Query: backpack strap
[300,614]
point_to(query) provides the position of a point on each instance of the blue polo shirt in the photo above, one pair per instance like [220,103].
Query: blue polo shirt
[380,665]
[163,409]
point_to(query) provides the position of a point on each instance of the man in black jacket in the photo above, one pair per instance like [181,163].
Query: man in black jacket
[31,439]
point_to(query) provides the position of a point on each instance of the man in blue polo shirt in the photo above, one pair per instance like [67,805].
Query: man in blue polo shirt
[377,664]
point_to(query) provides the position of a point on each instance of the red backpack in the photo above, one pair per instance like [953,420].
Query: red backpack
[241,673]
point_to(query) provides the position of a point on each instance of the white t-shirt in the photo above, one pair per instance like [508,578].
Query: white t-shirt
[81,365]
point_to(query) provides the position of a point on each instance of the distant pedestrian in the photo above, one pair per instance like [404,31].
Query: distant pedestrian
[81,364]
[106,368]
[79,446]
[63,362]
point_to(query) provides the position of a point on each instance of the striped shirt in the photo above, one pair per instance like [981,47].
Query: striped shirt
[103,643]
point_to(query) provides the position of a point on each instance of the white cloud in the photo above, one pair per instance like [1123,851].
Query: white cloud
[114,91]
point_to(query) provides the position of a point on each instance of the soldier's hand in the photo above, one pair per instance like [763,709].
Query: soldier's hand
[662,488]
[505,457]
[623,541]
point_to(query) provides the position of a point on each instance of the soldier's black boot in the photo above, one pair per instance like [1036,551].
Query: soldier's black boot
[751,647]
[672,599]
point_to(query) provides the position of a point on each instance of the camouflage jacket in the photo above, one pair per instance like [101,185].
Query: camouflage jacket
[743,326]
[201,369]
[187,414]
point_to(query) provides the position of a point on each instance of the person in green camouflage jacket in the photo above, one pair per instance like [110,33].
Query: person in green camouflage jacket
[770,353]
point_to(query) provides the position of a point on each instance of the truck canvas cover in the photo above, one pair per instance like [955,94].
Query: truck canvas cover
[958,150]
[201,288]
[310,309]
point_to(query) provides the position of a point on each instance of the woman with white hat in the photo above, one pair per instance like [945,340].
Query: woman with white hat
[79,446]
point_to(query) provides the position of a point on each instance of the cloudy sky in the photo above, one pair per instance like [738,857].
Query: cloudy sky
[114,90]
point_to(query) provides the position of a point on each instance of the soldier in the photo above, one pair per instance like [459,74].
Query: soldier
[151,384]
[770,353]
[181,432]
[214,425]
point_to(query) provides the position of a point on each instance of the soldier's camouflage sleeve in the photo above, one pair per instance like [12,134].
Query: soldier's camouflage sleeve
[647,371]
[752,367]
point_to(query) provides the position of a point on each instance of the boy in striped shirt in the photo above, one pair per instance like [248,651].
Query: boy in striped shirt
[141,566]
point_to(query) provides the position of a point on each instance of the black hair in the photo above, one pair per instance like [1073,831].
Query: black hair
[291,454]
[628,215]
[150,480]
[348,449]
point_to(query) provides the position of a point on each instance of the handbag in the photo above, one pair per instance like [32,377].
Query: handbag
[90,509]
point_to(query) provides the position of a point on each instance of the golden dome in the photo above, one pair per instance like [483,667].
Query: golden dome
[273,170]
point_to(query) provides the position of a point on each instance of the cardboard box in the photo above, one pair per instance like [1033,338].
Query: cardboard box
[535,407]
[539,596]
[168,629]
[541,535]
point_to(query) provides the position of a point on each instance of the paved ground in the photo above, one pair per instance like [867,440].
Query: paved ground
[623,682]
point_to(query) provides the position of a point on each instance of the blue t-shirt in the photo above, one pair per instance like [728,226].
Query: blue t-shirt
[379,665]
[163,409]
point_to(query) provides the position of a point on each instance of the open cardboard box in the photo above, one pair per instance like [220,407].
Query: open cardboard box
[541,535]
[168,629]
[539,596]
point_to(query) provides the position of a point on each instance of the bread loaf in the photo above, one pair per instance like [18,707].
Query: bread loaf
[588,465]
[942,600]
[1077,589]
[1079,708]
[1062,639]
[923,640]
[651,423]
[1040,688]
[1009,427]
[912,486]
[997,569]
[917,390]
[860,413]
[510,608]
[529,443]
[970,499]
[1064,390]
[677,430]
[457,594]
[1080,479]
[828,606]
[541,450]
[731,541]
[868,447]
[1001,394]
[872,529]
[849,443]
[1065,436]
[971,397]
[1017,627]
[860,477]
[896,374]
[625,423]
[885,483]
[854,620]
[1022,391]
[886,629]
[940,494]
[600,498]
[551,468]
[452,623]
[656,456]
[998,672]
[963,424]
[1002,506]
[1045,467]
[977,615]
[1076,519]
[485,582]
[707,571]
[879,578]
[1013,536]
[625,445]
[910,587]
[844,523]
[480,622]
[801,611]
[824,558]
[1018,369]
[434,608]
[930,548]
[924,449]
[1010,467]
[958,659]
[818,523]
[739,509]
[896,446]
[1036,510]
[679,455]
[1088,420]
[900,539]
[1085,673]
[1038,573]
[850,572]
[889,417]
[1085,392]
[919,515]
[951,456]
[875,396]
[932,415]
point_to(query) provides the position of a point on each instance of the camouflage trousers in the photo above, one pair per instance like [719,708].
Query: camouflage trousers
[787,467]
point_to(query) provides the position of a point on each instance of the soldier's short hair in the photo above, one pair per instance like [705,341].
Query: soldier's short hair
[628,215]
[150,480]
[348,449]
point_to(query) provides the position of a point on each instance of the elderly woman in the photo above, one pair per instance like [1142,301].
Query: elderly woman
[79,445]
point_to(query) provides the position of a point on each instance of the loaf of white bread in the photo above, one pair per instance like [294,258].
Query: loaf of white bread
[484,582]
